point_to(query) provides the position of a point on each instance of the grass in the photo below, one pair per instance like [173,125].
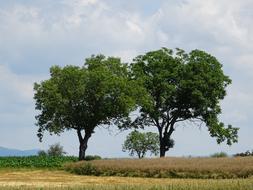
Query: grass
[205,168]
[43,179]
[184,169]
[141,187]
[35,161]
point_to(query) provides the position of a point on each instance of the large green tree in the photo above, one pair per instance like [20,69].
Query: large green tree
[82,98]
[181,87]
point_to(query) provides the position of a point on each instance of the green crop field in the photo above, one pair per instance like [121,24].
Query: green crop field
[35,161]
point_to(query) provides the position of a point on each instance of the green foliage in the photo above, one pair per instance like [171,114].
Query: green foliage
[140,143]
[82,98]
[219,155]
[180,87]
[42,153]
[35,161]
[92,157]
[167,87]
[85,169]
[56,150]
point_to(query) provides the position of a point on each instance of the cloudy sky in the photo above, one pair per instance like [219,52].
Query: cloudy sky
[36,34]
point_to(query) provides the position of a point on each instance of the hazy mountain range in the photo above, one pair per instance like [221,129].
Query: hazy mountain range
[15,152]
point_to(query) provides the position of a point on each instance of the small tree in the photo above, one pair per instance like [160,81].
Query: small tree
[140,143]
[56,150]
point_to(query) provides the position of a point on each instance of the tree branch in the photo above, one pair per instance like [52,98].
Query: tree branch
[79,135]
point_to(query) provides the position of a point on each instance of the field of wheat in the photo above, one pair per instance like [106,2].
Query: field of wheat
[215,168]
[133,174]
[49,180]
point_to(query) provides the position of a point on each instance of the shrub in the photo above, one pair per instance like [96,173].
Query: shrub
[42,153]
[219,155]
[92,157]
[56,150]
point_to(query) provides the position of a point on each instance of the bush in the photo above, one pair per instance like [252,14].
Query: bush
[56,150]
[84,169]
[219,155]
[92,157]
[42,153]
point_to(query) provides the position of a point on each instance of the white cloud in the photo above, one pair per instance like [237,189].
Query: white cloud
[15,85]
[134,27]
[208,24]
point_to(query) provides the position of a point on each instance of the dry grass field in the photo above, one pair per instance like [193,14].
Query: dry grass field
[148,174]
[46,179]
[238,167]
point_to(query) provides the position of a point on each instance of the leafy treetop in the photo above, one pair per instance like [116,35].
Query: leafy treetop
[82,98]
[179,87]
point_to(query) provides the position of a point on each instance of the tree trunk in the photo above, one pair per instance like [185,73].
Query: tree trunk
[162,145]
[83,144]
[164,138]
[162,148]
[82,150]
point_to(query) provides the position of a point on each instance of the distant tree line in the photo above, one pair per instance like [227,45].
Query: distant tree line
[244,154]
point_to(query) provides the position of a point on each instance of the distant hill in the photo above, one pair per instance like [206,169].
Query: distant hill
[15,152]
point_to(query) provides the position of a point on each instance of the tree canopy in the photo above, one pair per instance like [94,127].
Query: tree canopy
[141,143]
[180,87]
[82,98]
[164,86]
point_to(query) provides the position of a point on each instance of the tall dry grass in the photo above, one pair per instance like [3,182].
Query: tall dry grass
[239,167]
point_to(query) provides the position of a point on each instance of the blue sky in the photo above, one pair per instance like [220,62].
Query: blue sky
[36,34]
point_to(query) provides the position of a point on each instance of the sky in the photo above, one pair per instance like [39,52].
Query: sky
[37,34]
